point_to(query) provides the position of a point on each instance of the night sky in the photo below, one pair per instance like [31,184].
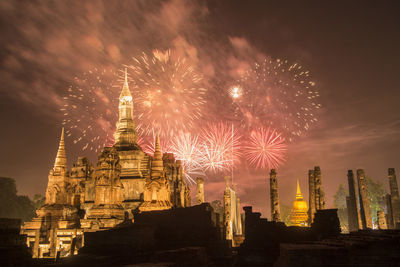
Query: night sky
[352,49]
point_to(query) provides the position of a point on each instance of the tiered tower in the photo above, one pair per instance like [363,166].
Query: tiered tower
[299,213]
[157,193]
[125,135]
[58,177]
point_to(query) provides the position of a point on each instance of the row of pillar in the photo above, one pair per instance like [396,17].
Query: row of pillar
[358,203]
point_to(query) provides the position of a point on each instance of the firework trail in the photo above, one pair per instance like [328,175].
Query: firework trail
[266,148]
[218,144]
[277,94]
[91,109]
[169,95]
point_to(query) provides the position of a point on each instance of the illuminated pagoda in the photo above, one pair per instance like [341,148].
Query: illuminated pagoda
[124,181]
[299,213]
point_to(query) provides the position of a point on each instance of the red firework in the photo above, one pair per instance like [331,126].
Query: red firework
[266,148]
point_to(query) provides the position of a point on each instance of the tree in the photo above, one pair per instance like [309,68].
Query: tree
[377,194]
[285,213]
[11,205]
[339,199]
[339,202]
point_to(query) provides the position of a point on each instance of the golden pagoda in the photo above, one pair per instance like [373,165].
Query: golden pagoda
[299,213]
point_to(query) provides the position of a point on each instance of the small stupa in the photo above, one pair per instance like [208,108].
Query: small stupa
[299,213]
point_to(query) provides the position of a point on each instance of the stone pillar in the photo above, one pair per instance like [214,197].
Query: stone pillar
[389,211]
[394,193]
[273,191]
[35,251]
[381,220]
[238,217]
[319,192]
[352,209]
[311,196]
[53,242]
[365,210]
[200,190]
[394,189]
[227,211]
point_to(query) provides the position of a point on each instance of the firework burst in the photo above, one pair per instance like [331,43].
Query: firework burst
[280,95]
[187,148]
[90,109]
[220,147]
[169,95]
[266,148]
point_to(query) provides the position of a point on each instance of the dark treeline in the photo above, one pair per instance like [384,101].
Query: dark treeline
[14,206]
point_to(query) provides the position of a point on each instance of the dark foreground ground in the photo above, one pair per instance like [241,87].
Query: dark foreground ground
[194,237]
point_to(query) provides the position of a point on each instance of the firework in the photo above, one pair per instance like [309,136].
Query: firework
[266,148]
[187,148]
[220,147]
[168,93]
[235,92]
[90,109]
[280,95]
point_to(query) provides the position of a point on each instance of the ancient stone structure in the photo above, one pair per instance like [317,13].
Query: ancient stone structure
[56,226]
[299,212]
[157,193]
[106,211]
[126,180]
[394,189]
[311,196]
[199,191]
[381,220]
[365,212]
[316,193]
[273,188]
[394,193]
[352,207]
[319,192]
[232,218]
[389,211]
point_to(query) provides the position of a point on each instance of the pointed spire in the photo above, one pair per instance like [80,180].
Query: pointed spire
[61,158]
[299,196]
[157,145]
[125,89]
[158,165]
[126,78]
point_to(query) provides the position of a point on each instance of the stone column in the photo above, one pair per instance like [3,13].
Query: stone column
[389,210]
[394,189]
[311,196]
[238,217]
[394,193]
[273,191]
[381,220]
[319,193]
[365,211]
[200,190]
[227,211]
[35,250]
[353,211]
